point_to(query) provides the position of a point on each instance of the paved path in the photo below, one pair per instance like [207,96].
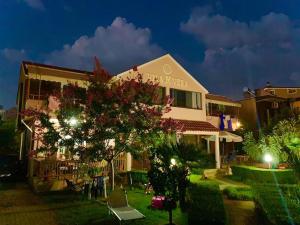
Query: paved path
[240,212]
[19,206]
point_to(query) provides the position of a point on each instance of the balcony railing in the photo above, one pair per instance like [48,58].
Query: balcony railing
[56,169]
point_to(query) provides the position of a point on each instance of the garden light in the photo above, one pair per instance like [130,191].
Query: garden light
[238,124]
[268,159]
[173,162]
[72,121]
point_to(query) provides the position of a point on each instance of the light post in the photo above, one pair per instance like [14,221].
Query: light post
[268,159]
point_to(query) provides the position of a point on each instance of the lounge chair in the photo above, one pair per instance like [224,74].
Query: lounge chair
[118,205]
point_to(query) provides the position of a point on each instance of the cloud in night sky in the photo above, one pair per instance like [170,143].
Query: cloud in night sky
[36,4]
[239,54]
[118,46]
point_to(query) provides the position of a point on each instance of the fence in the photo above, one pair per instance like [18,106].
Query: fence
[56,169]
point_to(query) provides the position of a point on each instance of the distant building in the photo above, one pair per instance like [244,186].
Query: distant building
[2,112]
[263,105]
[11,113]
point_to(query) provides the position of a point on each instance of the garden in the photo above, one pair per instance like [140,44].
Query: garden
[127,113]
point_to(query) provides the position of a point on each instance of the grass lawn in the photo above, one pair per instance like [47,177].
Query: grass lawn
[72,209]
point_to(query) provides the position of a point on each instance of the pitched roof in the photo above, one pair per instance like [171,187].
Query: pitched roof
[190,125]
[56,70]
[221,98]
[173,60]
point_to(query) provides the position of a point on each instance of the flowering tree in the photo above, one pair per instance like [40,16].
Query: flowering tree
[110,117]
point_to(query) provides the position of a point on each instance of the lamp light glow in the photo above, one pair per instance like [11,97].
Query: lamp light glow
[173,162]
[72,121]
[268,158]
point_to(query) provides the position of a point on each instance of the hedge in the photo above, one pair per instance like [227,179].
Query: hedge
[258,175]
[138,177]
[278,204]
[205,204]
[239,193]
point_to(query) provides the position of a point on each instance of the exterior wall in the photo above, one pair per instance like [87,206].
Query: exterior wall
[296,106]
[170,74]
[248,113]
[282,92]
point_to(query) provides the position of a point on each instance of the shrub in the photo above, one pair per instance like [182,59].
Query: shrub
[138,177]
[205,161]
[278,204]
[205,204]
[239,193]
[257,175]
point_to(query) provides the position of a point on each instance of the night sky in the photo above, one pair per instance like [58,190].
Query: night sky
[226,45]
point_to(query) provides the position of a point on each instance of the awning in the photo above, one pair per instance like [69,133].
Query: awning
[230,137]
[190,125]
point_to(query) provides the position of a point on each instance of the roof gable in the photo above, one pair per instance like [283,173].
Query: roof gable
[168,72]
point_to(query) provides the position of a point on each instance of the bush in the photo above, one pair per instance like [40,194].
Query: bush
[205,161]
[257,175]
[205,204]
[278,204]
[139,177]
[239,193]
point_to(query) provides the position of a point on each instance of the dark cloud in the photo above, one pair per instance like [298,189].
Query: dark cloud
[119,46]
[36,4]
[242,54]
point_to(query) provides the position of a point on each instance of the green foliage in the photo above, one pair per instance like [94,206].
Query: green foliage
[162,175]
[278,204]
[138,177]
[71,209]
[257,175]
[238,193]
[283,143]
[172,180]
[9,139]
[251,146]
[205,204]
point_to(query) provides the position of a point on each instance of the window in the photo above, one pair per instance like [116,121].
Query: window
[272,92]
[186,99]
[78,94]
[291,91]
[160,95]
[42,89]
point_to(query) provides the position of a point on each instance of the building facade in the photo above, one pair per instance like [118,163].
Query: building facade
[261,106]
[192,106]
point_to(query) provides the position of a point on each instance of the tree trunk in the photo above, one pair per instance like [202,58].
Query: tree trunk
[112,174]
[170,217]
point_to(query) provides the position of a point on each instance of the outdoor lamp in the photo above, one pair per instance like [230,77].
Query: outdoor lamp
[173,162]
[238,124]
[268,159]
[72,121]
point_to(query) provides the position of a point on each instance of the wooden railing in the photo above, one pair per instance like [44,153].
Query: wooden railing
[56,169]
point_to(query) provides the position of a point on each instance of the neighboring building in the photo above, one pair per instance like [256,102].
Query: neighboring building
[11,114]
[37,82]
[2,112]
[267,103]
